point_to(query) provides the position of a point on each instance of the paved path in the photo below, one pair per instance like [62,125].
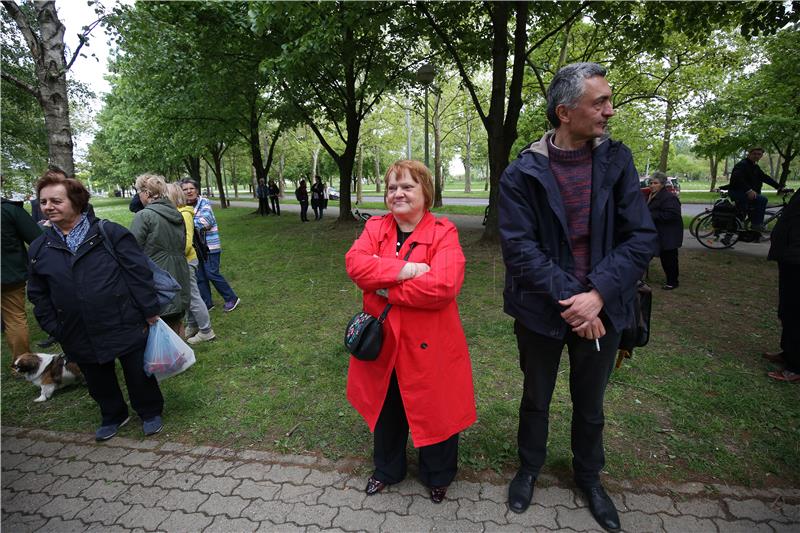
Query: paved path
[62,482]
[475,222]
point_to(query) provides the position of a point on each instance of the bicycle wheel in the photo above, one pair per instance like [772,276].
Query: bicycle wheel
[716,238]
[696,222]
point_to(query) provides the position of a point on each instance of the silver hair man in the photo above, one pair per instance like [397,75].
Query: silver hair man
[567,87]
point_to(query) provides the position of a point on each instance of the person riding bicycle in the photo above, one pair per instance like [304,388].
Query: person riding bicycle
[747,179]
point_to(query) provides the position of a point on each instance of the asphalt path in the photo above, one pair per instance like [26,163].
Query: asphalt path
[475,223]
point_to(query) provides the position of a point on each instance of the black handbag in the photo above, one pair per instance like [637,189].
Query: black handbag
[637,334]
[363,336]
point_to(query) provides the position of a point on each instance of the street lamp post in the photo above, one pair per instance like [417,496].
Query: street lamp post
[425,75]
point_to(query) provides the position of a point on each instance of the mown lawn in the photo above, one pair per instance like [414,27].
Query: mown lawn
[695,404]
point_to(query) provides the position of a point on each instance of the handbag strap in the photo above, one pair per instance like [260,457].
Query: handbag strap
[389,306]
[106,241]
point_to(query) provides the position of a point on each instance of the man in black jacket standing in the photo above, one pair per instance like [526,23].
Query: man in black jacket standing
[747,178]
[576,236]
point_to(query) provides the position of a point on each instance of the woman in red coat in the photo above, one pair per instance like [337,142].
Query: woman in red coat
[422,379]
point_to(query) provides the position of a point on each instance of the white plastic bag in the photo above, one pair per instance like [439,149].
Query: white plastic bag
[166,354]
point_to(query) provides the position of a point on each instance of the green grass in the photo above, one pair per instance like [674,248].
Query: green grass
[695,404]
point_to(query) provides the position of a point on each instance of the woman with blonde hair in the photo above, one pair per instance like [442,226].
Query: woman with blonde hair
[159,230]
[198,322]
[422,378]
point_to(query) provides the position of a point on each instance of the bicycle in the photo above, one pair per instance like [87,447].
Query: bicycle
[358,215]
[725,224]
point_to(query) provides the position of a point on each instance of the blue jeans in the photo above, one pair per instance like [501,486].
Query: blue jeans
[756,207]
[209,271]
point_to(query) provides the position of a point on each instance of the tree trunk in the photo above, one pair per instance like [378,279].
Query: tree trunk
[437,148]
[662,163]
[47,51]
[468,155]
[216,151]
[360,175]
[713,166]
[192,164]
[255,144]
[281,166]
[314,162]
[377,161]
[501,121]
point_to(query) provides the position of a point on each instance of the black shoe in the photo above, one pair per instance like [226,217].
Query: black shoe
[520,492]
[438,494]
[601,507]
[374,486]
[668,287]
[48,342]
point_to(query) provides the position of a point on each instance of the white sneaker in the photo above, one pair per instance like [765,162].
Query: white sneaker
[191,331]
[202,337]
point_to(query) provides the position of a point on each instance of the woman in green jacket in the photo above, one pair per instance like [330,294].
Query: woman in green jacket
[159,230]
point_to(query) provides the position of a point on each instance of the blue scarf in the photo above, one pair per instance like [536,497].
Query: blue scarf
[77,234]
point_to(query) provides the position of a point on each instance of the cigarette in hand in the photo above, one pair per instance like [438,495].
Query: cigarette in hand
[597,344]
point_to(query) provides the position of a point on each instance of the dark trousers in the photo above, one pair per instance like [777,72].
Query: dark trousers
[208,272]
[589,371]
[276,205]
[317,209]
[756,208]
[263,206]
[438,462]
[669,262]
[304,211]
[144,392]
[789,313]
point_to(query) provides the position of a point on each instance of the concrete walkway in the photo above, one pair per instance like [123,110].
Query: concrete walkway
[61,482]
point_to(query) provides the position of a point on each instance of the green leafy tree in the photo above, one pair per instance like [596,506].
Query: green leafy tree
[337,60]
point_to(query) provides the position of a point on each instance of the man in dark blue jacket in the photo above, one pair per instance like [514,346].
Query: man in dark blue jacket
[576,237]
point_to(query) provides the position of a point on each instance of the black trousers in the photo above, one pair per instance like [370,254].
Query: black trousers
[789,313]
[438,462]
[144,392]
[276,206]
[669,262]
[589,370]
[263,206]
[317,210]
[304,211]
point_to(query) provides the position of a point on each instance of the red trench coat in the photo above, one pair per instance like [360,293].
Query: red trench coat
[423,342]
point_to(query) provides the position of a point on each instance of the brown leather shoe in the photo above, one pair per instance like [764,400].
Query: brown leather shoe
[374,486]
[437,494]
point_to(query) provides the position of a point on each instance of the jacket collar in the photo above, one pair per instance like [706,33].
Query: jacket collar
[540,146]
[422,234]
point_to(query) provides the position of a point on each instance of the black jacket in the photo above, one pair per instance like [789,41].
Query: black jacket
[536,246]
[665,208]
[785,238]
[93,307]
[17,229]
[747,175]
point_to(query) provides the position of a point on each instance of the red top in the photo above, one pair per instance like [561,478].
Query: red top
[424,342]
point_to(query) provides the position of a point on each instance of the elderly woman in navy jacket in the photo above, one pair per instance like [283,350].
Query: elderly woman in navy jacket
[98,308]
[665,208]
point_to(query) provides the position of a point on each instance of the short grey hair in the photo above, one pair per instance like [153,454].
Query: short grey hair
[659,177]
[568,86]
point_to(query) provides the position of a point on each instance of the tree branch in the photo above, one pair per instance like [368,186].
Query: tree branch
[34,44]
[547,36]
[83,40]
[21,84]
[448,43]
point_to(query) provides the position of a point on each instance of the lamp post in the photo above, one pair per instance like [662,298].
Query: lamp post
[425,75]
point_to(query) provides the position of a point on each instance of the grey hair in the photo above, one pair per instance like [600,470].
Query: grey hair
[568,86]
[659,177]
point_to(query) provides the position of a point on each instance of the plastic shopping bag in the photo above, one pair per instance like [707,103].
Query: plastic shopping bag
[166,354]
